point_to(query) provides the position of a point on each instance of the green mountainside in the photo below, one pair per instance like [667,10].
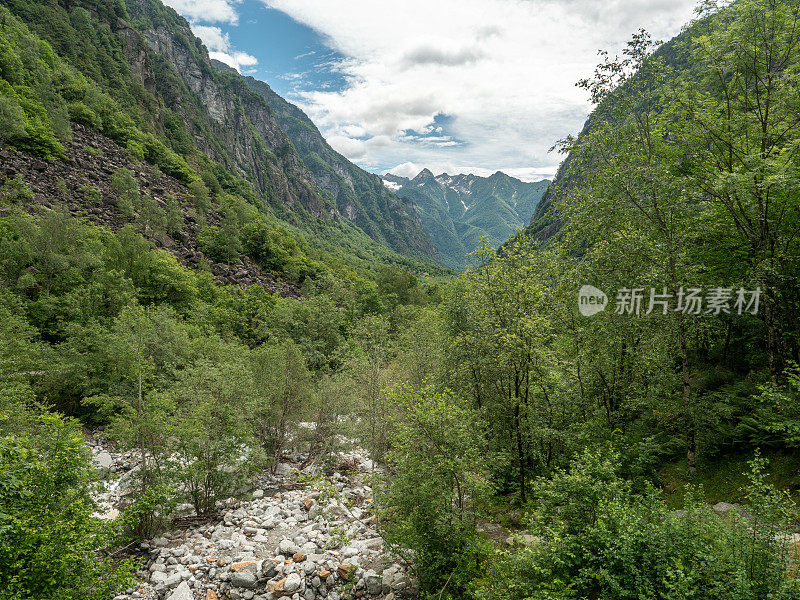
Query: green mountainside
[135,73]
[459,210]
[359,196]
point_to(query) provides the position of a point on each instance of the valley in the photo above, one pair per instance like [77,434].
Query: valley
[245,357]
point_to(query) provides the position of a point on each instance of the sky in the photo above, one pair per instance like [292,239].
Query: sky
[455,86]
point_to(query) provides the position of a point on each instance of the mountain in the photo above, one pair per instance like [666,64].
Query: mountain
[359,196]
[545,223]
[134,73]
[458,210]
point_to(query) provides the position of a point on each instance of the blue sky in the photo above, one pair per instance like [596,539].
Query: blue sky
[451,85]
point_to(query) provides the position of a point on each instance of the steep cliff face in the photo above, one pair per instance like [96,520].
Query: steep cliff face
[229,123]
[359,196]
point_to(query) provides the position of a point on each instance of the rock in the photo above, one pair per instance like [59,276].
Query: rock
[308,502]
[726,508]
[158,577]
[258,494]
[373,582]
[211,595]
[345,570]
[183,592]
[104,460]
[238,566]
[298,557]
[288,547]
[292,583]
[244,579]
[174,579]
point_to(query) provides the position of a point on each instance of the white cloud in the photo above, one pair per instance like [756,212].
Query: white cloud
[406,169]
[501,71]
[208,11]
[219,47]
[411,170]
[213,37]
[237,60]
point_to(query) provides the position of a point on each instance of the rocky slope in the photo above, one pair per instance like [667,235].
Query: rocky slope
[82,184]
[459,210]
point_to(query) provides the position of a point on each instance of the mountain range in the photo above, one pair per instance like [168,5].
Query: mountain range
[459,210]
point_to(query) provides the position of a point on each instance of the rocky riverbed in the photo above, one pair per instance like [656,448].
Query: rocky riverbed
[283,539]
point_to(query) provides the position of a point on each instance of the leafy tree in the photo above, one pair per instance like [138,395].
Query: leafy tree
[436,482]
[52,546]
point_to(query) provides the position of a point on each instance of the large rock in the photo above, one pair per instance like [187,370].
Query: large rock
[373,583]
[244,579]
[104,460]
[726,509]
[292,583]
[183,592]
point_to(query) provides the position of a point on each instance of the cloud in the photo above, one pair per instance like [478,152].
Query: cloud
[213,37]
[406,169]
[237,60]
[208,11]
[428,55]
[499,79]
[219,47]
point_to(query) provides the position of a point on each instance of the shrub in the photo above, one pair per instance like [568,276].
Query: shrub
[15,190]
[597,539]
[437,479]
[51,546]
[220,243]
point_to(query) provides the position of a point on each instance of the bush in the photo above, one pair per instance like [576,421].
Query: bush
[220,243]
[51,546]
[597,539]
[437,479]
[15,190]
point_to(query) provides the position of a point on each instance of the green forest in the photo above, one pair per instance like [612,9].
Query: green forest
[600,446]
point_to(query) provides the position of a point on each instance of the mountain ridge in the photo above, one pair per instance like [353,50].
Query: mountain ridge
[459,210]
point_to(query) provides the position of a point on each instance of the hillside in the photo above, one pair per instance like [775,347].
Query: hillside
[138,76]
[459,210]
[359,196]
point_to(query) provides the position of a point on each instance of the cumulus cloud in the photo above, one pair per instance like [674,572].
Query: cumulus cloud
[501,73]
[235,59]
[213,37]
[209,11]
[219,47]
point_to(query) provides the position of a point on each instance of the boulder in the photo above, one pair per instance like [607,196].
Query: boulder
[183,592]
[104,460]
[244,579]
[373,582]
[292,583]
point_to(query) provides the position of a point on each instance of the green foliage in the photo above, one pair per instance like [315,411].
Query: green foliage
[438,474]
[14,190]
[598,539]
[52,546]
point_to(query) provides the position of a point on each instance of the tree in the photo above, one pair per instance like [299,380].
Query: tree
[52,547]
[281,391]
[437,480]
[739,126]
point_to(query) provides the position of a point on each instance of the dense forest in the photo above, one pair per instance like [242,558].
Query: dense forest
[647,450]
